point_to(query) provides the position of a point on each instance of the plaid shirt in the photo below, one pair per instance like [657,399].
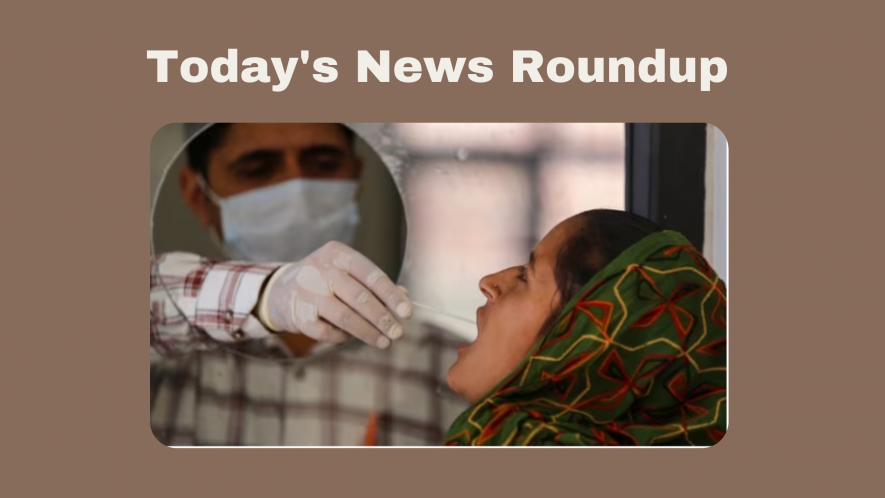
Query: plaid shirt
[217,378]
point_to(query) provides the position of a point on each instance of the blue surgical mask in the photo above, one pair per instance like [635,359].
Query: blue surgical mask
[288,221]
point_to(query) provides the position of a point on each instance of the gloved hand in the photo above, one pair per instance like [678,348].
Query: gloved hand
[332,295]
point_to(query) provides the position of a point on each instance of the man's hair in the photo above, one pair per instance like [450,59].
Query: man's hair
[213,137]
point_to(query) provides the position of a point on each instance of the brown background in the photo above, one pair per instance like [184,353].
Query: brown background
[801,109]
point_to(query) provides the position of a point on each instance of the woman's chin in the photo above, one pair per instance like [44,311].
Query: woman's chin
[452,380]
[456,381]
[460,385]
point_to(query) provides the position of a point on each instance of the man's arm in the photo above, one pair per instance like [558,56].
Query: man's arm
[198,304]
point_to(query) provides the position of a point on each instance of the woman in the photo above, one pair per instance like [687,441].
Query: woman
[613,335]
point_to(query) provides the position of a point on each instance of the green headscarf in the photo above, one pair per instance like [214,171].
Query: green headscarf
[638,358]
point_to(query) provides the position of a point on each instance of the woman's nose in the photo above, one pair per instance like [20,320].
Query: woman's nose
[491,287]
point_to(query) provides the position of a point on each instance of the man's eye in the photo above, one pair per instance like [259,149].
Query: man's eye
[327,165]
[321,163]
[259,172]
[523,274]
[258,169]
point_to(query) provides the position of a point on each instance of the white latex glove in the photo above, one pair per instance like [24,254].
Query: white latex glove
[332,295]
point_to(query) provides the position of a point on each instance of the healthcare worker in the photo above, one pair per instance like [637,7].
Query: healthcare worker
[280,200]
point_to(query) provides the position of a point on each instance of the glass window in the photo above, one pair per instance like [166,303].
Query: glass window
[479,197]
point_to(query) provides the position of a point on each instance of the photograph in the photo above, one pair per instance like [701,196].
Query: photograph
[439,285]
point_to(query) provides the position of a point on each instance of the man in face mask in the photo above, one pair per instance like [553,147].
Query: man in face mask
[286,193]
[280,200]
[274,192]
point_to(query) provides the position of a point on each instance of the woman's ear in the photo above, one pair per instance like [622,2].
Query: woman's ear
[193,195]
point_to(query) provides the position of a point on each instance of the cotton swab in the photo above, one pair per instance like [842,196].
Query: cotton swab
[443,313]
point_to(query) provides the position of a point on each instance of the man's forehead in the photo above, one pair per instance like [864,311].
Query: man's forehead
[251,136]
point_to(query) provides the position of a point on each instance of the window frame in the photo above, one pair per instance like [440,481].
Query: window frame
[666,176]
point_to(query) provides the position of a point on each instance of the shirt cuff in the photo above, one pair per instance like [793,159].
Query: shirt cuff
[228,295]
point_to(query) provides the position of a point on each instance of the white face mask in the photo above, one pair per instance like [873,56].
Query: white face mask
[288,221]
